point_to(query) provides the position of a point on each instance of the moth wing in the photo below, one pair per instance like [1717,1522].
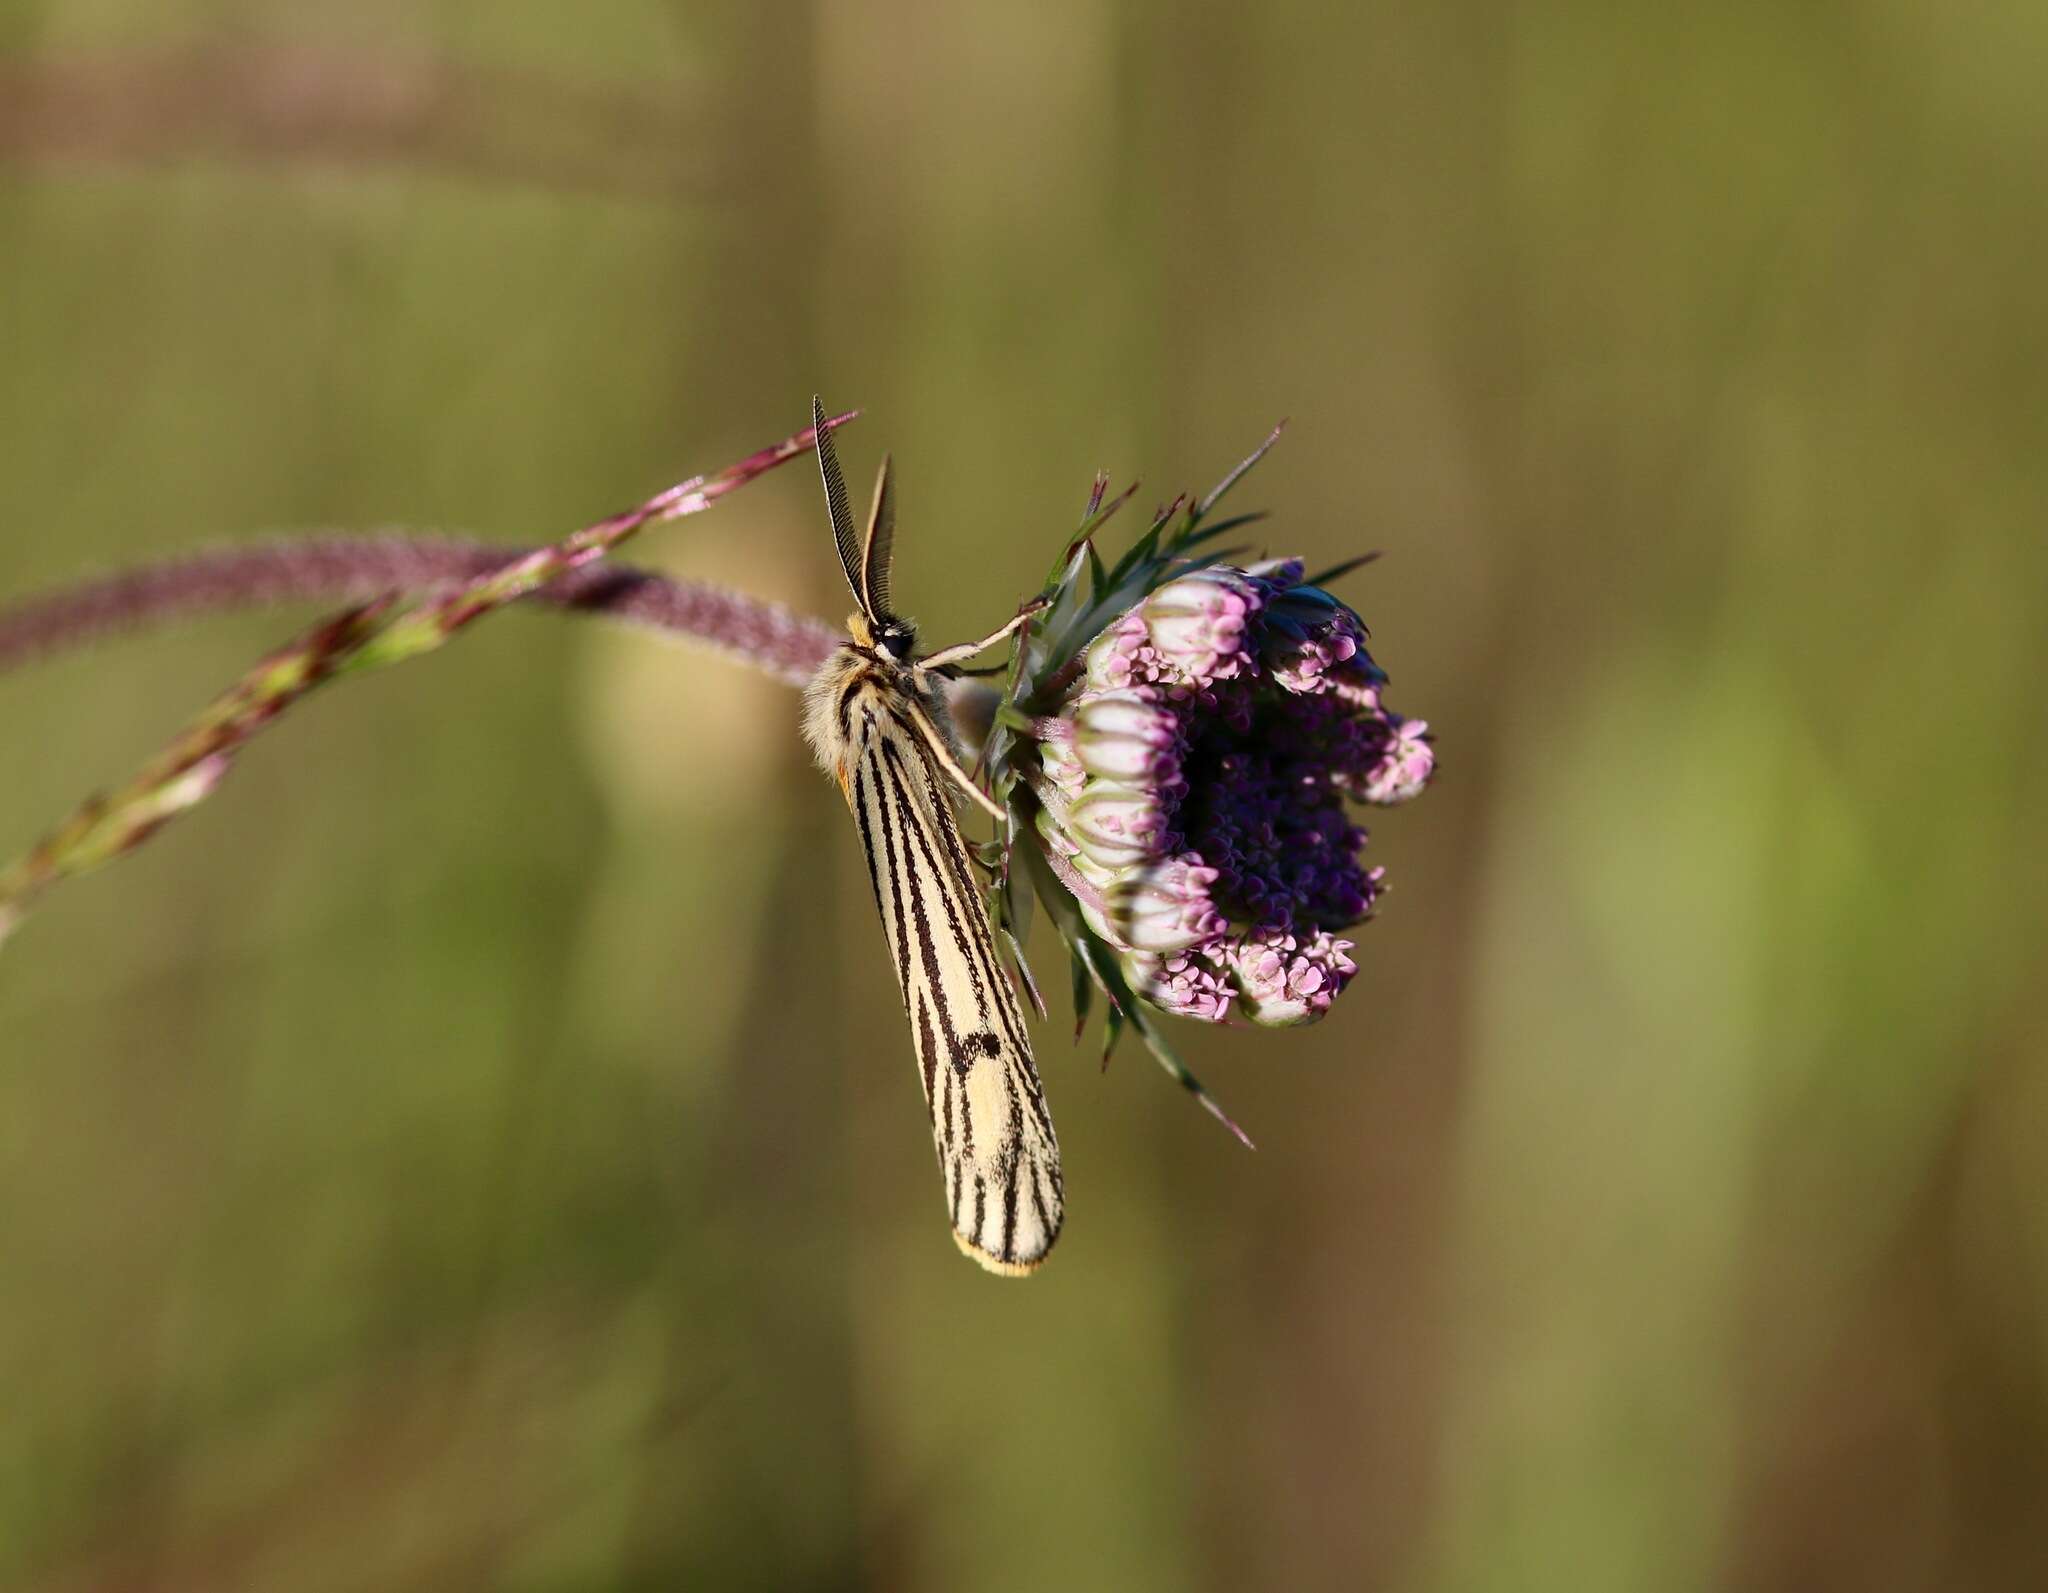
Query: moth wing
[997,1152]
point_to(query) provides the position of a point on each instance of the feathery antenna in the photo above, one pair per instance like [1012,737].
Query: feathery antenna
[835,501]
[876,559]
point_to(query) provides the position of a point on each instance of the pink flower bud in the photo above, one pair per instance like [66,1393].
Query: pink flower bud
[1404,767]
[1127,735]
[1309,636]
[1181,983]
[1121,656]
[1162,907]
[1199,623]
[1057,757]
[1117,824]
[1285,981]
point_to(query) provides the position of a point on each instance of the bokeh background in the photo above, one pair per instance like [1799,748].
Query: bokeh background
[480,1148]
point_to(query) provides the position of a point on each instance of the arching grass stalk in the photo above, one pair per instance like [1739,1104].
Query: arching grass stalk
[329,568]
[384,629]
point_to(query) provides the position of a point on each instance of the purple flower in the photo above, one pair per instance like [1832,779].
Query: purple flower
[1195,785]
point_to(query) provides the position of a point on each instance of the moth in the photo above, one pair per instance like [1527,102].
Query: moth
[875,714]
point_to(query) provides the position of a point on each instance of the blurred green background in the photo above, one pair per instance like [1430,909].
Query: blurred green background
[480,1149]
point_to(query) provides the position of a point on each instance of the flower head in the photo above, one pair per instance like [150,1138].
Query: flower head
[1186,741]
[1198,772]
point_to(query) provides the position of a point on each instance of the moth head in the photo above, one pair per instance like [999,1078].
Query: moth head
[896,638]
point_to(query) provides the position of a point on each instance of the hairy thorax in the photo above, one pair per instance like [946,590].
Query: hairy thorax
[850,689]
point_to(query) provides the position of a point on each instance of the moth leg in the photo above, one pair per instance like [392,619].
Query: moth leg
[953,655]
[943,756]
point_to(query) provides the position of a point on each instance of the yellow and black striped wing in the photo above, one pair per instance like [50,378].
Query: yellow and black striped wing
[995,1141]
